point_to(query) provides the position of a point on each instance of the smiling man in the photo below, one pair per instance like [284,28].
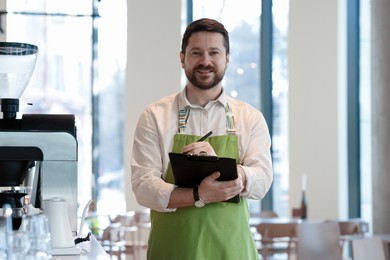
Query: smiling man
[197,223]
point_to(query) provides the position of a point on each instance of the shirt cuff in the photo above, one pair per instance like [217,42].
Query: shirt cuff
[254,187]
[165,195]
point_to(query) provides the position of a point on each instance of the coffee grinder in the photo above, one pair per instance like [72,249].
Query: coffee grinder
[38,152]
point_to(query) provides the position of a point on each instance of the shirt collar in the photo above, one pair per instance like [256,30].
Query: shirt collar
[183,101]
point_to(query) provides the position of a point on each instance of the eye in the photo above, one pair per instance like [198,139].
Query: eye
[196,53]
[214,52]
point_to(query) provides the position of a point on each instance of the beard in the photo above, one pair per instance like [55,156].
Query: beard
[204,83]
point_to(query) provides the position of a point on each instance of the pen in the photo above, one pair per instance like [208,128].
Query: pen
[205,136]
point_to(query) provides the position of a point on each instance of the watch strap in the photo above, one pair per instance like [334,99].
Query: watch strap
[195,191]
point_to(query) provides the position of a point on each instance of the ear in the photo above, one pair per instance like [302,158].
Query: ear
[227,58]
[182,59]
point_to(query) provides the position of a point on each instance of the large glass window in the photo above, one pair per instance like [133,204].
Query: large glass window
[242,80]
[80,70]
[279,65]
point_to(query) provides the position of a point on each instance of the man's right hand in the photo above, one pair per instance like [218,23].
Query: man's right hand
[212,190]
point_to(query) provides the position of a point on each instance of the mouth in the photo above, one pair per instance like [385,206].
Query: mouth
[205,70]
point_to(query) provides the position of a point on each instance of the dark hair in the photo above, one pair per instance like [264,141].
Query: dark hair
[205,25]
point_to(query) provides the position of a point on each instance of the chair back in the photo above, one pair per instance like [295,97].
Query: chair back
[349,228]
[319,241]
[352,227]
[368,248]
[126,220]
[276,237]
[142,218]
[113,233]
[270,231]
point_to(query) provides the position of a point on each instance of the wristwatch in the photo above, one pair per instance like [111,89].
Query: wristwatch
[198,201]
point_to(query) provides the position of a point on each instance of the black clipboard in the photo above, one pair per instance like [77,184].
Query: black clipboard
[189,170]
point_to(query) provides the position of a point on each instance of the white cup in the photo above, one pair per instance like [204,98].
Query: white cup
[56,210]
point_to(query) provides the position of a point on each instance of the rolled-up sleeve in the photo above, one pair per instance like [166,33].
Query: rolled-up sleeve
[148,164]
[255,154]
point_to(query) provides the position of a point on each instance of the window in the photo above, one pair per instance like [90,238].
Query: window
[243,74]
[80,71]
[280,107]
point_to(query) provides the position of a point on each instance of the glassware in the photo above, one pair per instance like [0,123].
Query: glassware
[36,227]
[303,205]
[303,198]
[18,245]
[3,237]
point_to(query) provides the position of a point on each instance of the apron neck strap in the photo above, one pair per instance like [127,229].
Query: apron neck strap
[185,113]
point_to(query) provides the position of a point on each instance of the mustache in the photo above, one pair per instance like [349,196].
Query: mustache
[204,67]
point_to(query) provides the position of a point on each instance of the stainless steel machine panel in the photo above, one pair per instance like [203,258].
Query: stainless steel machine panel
[57,170]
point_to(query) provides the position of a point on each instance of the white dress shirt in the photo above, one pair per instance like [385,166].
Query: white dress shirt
[153,140]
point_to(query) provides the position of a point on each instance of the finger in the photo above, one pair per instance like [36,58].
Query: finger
[214,176]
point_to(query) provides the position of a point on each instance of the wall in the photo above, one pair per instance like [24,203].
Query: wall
[153,71]
[313,105]
[380,61]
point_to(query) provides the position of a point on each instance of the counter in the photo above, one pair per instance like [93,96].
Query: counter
[89,250]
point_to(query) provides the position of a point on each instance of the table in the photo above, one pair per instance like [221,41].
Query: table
[253,221]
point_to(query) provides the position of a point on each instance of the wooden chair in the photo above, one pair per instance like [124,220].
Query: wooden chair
[277,238]
[368,248]
[142,220]
[113,240]
[353,227]
[120,237]
[349,230]
[319,241]
[255,234]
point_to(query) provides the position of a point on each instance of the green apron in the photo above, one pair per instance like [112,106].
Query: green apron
[217,231]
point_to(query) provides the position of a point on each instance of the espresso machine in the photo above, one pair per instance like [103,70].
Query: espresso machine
[38,152]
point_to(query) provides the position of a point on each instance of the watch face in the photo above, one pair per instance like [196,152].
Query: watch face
[199,203]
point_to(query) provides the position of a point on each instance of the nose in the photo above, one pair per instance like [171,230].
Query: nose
[205,59]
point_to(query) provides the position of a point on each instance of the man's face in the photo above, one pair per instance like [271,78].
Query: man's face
[205,60]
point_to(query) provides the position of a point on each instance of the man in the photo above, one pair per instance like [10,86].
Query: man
[213,229]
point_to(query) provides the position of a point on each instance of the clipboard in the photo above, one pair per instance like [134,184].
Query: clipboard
[189,170]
